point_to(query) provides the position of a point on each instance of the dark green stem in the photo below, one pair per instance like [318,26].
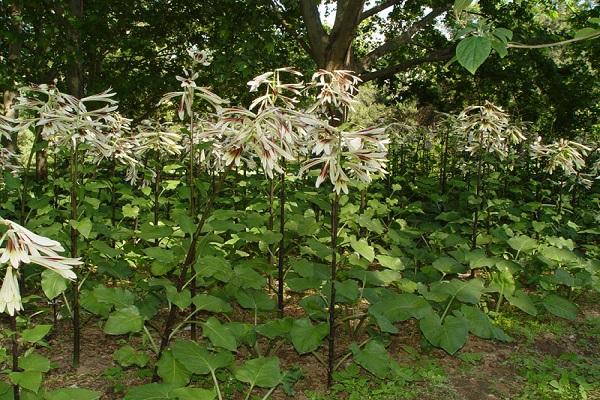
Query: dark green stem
[76,316]
[334,235]
[281,253]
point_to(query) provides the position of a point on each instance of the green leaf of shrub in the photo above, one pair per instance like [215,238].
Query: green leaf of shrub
[151,391]
[124,320]
[35,334]
[218,334]
[450,336]
[172,371]
[374,358]
[262,372]
[34,362]
[472,51]
[53,284]
[30,380]
[191,393]
[199,360]
[307,337]
[363,248]
[127,356]
[560,307]
[522,301]
[210,303]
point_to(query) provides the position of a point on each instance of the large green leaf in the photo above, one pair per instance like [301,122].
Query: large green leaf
[218,334]
[363,248]
[191,393]
[394,263]
[275,328]
[124,320]
[400,307]
[159,254]
[310,270]
[214,267]
[30,380]
[472,51]
[481,325]
[34,362]
[247,278]
[254,299]
[522,244]
[181,299]
[127,356]
[172,371]
[560,307]
[35,334]
[210,303]
[199,360]
[150,232]
[151,391]
[53,284]
[373,357]
[468,291]
[523,301]
[262,372]
[84,227]
[502,282]
[115,296]
[307,337]
[558,255]
[450,336]
[448,265]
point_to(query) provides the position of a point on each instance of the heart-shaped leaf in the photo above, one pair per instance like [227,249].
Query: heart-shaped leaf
[262,372]
[472,51]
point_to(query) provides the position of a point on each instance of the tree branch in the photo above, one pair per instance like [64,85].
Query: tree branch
[317,37]
[378,8]
[287,26]
[404,38]
[437,55]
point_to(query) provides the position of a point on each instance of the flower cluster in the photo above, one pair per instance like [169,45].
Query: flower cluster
[342,155]
[190,90]
[276,91]
[66,121]
[489,129]
[566,155]
[336,90]
[25,247]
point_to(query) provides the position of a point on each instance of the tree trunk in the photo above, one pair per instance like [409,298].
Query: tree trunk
[333,50]
[74,71]
[14,58]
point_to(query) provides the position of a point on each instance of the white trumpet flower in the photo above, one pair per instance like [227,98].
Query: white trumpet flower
[10,297]
[25,247]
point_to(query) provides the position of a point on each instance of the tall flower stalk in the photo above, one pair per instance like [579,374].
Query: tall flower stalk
[489,131]
[67,122]
[343,156]
[186,97]
[278,104]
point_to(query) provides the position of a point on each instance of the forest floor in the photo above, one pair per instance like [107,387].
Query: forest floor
[549,358]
